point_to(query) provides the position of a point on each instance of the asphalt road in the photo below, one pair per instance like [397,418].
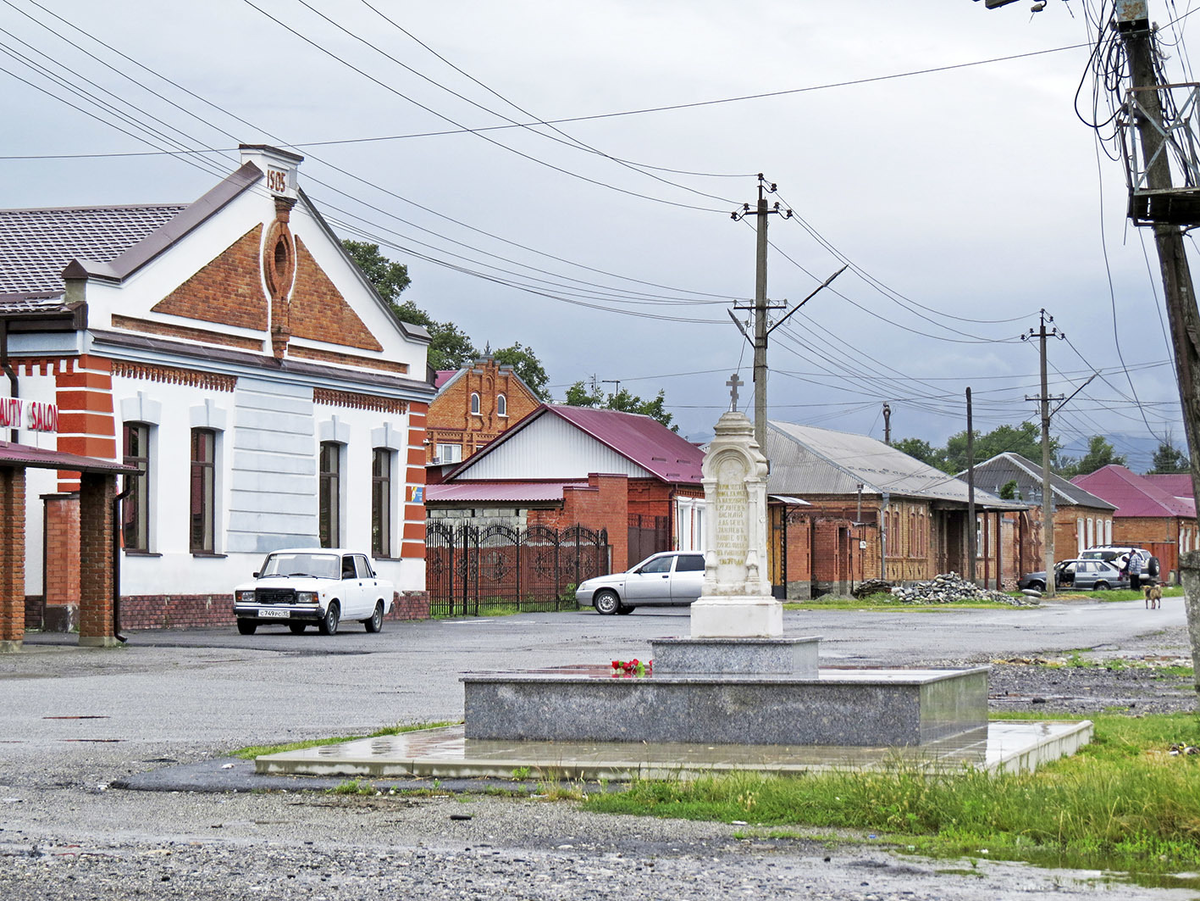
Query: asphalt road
[74,721]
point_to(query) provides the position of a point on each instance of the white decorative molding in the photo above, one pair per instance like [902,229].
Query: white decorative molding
[208,416]
[141,409]
[334,429]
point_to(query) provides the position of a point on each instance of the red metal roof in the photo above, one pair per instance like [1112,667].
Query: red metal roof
[1134,495]
[445,375]
[642,439]
[1176,484]
[12,455]
[498,492]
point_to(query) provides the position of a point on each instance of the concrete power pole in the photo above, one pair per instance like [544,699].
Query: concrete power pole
[761,329]
[1047,489]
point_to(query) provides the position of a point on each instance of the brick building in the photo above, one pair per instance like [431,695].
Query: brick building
[844,508]
[1157,513]
[473,406]
[230,350]
[563,466]
[1081,519]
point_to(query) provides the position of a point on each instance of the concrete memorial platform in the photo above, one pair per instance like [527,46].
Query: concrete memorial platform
[735,693]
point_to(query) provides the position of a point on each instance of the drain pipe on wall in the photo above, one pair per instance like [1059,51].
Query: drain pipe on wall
[6,365]
[116,557]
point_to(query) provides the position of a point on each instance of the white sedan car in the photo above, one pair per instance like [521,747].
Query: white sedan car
[671,577]
[313,586]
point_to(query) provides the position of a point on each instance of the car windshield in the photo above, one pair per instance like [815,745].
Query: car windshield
[322,566]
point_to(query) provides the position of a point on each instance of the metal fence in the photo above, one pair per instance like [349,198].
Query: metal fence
[469,569]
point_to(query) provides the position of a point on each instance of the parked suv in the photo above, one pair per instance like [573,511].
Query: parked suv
[672,577]
[313,586]
[1118,556]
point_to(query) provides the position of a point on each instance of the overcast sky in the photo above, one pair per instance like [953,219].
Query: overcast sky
[966,197]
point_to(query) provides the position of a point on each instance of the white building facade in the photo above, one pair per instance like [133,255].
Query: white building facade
[233,352]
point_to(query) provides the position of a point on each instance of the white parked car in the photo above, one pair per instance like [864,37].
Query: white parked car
[313,586]
[672,577]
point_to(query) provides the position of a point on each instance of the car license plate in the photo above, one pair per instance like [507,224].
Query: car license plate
[267,612]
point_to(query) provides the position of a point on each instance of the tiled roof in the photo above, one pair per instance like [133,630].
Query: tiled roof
[498,492]
[807,461]
[992,475]
[1135,495]
[36,245]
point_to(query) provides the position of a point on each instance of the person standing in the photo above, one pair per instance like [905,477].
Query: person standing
[1135,572]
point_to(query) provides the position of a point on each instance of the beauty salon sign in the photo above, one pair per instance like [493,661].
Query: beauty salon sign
[31,414]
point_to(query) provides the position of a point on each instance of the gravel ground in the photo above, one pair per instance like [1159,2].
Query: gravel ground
[65,833]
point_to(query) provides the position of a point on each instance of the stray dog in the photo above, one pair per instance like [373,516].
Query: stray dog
[1153,597]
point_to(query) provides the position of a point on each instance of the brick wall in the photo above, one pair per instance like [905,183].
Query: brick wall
[12,554]
[96,494]
[603,504]
[221,291]
[208,611]
[62,550]
[451,420]
[85,412]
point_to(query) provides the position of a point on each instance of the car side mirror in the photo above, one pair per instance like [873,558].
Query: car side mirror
[255,576]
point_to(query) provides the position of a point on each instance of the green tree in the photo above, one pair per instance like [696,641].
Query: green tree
[449,347]
[1100,453]
[578,395]
[1169,459]
[389,277]
[921,450]
[1024,439]
[623,401]
[525,364]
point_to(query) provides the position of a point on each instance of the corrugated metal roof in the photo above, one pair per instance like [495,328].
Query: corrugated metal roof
[1176,484]
[497,492]
[992,475]
[808,461]
[1135,495]
[36,245]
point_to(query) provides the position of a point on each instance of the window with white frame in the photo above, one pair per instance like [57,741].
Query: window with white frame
[474,403]
[1079,545]
[449,453]
[381,502]
[202,512]
[135,509]
[330,494]
[501,405]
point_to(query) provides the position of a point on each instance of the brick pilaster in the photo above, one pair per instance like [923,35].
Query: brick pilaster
[12,558]
[96,494]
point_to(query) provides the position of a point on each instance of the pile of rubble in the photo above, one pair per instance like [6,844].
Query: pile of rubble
[946,589]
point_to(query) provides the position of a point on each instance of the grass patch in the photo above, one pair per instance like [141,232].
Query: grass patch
[259,750]
[1122,803]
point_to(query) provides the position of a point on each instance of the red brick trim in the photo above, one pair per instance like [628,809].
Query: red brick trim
[329,356]
[201,335]
[174,375]
[357,401]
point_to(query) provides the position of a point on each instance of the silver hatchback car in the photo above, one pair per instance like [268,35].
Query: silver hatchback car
[671,577]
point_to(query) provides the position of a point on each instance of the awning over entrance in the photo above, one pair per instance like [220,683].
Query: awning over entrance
[22,455]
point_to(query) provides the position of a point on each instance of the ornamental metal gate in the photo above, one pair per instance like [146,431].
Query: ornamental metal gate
[472,570]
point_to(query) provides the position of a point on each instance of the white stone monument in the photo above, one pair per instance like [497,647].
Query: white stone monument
[736,601]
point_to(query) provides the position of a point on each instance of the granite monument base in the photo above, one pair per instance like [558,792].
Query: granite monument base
[849,707]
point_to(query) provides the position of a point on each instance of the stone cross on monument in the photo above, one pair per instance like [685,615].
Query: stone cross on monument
[736,600]
[734,383]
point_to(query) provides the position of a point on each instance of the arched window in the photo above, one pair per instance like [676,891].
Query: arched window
[474,403]
[501,405]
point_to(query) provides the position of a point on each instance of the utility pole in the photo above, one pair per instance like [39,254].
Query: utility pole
[1134,28]
[761,212]
[887,424]
[1047,490]
[971,548]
